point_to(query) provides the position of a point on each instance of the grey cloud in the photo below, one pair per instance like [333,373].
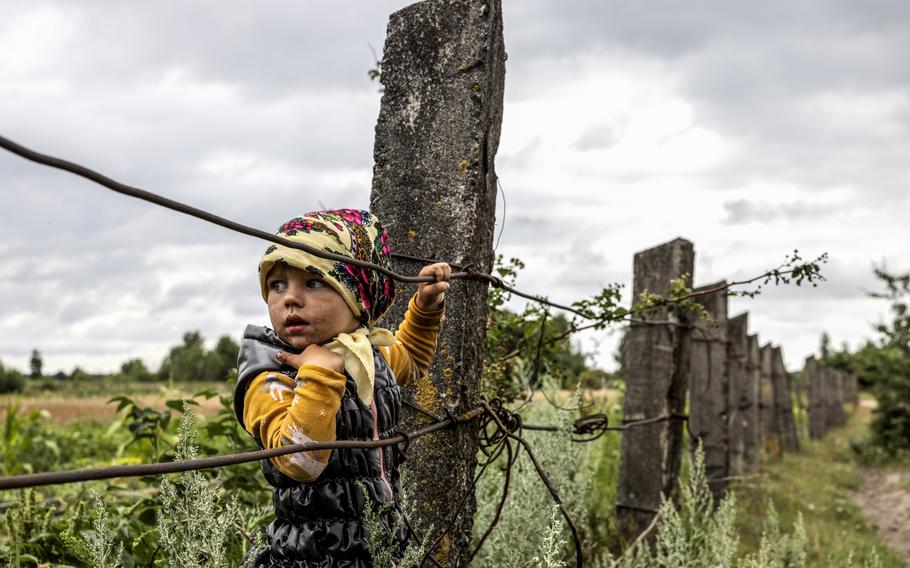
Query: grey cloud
[597,138]
[257,47]
[756,74]
[743,211]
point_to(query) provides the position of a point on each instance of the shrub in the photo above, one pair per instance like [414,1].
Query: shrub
[11,380]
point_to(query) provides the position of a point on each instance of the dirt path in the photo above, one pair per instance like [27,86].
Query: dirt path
[884,497]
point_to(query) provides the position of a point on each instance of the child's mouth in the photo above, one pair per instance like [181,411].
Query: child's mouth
[296,324]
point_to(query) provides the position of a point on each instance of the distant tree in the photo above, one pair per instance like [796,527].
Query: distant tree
[222,359]
[79,375]
[135,370]
[891,359]
[825,345]
[11,380]
[185,362]
[191,361]
[36,363]
[884,364]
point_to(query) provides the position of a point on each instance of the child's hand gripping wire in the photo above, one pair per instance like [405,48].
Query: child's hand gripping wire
[431,294]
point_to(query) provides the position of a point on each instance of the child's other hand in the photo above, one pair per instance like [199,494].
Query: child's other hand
[313,355]
[431,294]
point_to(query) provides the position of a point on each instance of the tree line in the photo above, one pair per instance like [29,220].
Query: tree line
[188,361]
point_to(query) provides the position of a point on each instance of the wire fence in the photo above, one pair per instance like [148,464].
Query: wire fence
[500,430]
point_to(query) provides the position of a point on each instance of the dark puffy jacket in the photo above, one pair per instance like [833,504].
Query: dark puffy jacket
[320,523]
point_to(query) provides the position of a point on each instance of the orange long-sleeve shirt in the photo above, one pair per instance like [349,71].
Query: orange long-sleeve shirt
[281,411]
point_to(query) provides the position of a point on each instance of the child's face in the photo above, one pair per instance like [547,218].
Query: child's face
[305,310]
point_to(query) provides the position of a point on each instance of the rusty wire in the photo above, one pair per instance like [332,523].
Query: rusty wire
[97,473]
[89,174]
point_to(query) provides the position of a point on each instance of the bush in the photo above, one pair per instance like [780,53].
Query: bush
[891,420]
[11,380]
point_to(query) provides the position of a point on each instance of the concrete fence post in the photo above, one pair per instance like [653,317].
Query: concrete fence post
[840,396]
[812,377]
[739,400]
[783,401]
[709,395]
[753,434]
[827,392]
[434,188]
[656,361]
[767,416]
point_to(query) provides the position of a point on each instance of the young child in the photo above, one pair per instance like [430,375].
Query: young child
[323,372]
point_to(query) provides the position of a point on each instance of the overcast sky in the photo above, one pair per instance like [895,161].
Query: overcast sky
[750,128]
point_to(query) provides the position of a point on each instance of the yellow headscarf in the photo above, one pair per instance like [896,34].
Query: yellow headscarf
[369,294]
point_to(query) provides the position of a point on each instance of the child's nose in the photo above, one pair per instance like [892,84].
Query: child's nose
[294,295]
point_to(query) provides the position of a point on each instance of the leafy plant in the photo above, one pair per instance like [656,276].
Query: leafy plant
[151,429]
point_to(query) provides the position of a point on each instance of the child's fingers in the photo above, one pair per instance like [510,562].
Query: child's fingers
[294,360]
[441,271]
[436,289]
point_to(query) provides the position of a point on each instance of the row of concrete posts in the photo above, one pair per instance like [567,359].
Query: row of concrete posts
[711,375]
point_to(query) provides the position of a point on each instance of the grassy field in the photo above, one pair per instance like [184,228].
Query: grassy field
[88,400]
[819,483]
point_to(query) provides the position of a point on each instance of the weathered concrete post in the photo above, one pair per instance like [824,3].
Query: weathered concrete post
[709,412]
[827,395]
[812,376]
[801,393]
[769,427]
[751,401]
[737,356]
[839,397]
[434,188]
[783,401]
[656,366]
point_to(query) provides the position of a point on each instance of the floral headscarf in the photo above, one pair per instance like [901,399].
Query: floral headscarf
[348,232]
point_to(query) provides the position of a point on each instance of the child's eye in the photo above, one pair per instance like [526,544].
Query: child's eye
[314,283]
[278,285]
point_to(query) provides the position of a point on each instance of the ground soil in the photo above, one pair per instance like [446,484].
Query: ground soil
[884,497]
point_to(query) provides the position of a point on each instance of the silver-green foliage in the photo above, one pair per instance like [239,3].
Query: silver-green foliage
[381,541]
[553,544]
[194,523]
[101,546]
[524,535]
[696,534]
[777,549]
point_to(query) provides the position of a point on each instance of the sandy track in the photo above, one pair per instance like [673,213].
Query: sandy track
[884,497]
